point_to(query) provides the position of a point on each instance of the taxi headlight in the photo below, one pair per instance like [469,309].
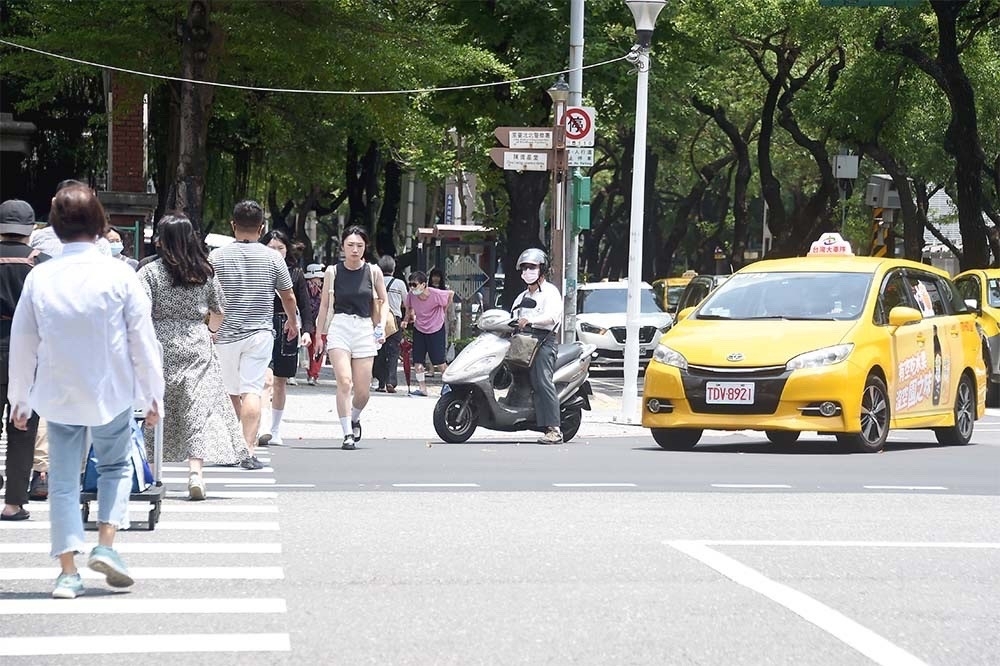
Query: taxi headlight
[590,328]
[667,356]
[820,357]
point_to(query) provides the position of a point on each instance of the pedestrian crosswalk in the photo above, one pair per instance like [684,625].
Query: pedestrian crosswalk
[209,578]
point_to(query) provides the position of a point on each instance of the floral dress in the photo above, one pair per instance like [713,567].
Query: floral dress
[199,419]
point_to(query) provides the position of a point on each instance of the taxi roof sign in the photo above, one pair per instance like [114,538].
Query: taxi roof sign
[830,244]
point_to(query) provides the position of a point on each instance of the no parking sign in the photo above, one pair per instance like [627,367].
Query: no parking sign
[579,123]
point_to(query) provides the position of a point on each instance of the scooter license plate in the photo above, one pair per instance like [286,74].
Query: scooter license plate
[729,393]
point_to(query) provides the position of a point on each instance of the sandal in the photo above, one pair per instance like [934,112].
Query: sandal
[21,514]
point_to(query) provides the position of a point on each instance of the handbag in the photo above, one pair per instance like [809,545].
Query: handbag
[391,324]
[142,475]
[523,348]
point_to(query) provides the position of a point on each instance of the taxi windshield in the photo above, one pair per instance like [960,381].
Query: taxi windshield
[788,295]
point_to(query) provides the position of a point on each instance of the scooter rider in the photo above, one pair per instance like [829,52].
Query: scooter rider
[544,319]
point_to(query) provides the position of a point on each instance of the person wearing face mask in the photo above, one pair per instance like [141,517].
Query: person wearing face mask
[426,308]
[114,239]
[543,320]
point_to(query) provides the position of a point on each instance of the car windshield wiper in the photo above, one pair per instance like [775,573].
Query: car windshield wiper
[790,318]
[712,316]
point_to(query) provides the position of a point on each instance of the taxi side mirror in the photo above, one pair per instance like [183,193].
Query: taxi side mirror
[901,316]
[683,314]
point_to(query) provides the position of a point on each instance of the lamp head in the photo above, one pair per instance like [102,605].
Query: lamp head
[645,12]
[559,92]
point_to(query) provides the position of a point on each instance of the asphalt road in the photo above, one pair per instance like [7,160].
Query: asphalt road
[734,553]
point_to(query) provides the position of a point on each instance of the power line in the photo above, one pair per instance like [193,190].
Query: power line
[302,91]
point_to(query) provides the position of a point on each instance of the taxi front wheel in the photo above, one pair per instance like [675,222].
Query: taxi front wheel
[676,439]
[874,419]
[960,434]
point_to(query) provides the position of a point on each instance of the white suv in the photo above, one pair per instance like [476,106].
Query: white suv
[600,320]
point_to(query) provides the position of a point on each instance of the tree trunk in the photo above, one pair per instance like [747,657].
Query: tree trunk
[385,229]
[526,191]
[198,37]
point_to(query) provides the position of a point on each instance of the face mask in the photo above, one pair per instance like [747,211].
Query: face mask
[417,291]
[530,275]
[116,248]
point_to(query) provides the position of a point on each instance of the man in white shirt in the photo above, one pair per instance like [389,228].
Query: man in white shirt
[83,354]
[544,317]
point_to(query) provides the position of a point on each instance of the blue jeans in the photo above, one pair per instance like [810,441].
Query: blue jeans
[67,448]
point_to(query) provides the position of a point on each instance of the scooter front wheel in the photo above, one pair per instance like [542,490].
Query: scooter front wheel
[455,417]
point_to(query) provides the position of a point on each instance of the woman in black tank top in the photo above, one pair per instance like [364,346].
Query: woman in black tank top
[353,337]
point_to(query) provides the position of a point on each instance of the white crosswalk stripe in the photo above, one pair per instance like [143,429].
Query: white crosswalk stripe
[217,561]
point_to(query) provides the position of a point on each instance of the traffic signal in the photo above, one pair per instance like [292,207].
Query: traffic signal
[581,202]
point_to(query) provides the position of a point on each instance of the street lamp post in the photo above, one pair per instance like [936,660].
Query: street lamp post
[644,12]
[559,92]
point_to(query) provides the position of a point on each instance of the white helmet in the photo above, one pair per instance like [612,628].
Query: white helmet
[533,256]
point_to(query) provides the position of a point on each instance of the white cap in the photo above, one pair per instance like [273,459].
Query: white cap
[16,217]
[314,271]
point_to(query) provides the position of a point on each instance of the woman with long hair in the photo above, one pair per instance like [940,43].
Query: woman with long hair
[285,355]
[201,424]
[353,291]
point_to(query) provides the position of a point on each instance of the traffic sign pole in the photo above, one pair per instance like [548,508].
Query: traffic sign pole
[572,246]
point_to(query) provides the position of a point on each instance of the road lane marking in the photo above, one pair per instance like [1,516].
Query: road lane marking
[435,485]
[109,606]
[155,573]
[207,471]
[986,545]
[207,525]
[225,494]
[750,485]
[594,485]
[905,487]
[276,485]
[209,548]
[171,480]
[188,507]
[849,632]
[143,644]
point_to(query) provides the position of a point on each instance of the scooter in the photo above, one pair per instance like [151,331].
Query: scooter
[488,391]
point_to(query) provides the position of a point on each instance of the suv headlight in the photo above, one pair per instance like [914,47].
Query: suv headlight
[590,328]
[667,356]
[820,357]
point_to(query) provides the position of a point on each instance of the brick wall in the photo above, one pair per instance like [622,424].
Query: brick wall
[127,155]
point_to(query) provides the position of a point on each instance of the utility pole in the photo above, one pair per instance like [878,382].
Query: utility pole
[572,236]
[559,93]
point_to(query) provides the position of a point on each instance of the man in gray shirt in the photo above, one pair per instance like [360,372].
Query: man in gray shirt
[250,273]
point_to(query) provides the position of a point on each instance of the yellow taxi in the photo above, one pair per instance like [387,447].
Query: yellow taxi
[668,290]
[981,291]
[830,342]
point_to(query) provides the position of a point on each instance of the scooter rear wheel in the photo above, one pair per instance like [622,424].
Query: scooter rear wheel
[455,417]
[571,424]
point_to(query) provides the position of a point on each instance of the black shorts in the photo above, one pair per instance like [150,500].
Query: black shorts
[285,355]
[429,344]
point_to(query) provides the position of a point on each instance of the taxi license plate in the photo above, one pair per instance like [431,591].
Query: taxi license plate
[729,393]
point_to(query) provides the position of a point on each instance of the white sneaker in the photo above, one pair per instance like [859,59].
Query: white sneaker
[196,487]
[275,440]
[311,381]
[291,381]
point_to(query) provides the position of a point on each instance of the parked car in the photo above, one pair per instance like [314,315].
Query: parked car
[981,290]
[697,289]
[830,342]
[600,320]
[668,290]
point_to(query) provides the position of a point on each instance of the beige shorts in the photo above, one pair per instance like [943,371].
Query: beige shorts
[353,334]
[244,363]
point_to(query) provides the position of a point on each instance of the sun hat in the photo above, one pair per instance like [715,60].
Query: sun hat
[314,271]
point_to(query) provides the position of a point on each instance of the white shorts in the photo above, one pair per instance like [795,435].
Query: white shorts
[352,334]
[244,363]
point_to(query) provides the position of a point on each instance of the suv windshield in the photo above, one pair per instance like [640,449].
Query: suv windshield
[614,300]
[818,296]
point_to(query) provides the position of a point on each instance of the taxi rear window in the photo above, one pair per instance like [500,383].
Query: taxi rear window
[788,295]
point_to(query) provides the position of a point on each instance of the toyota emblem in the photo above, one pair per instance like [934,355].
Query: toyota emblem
[735,356]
